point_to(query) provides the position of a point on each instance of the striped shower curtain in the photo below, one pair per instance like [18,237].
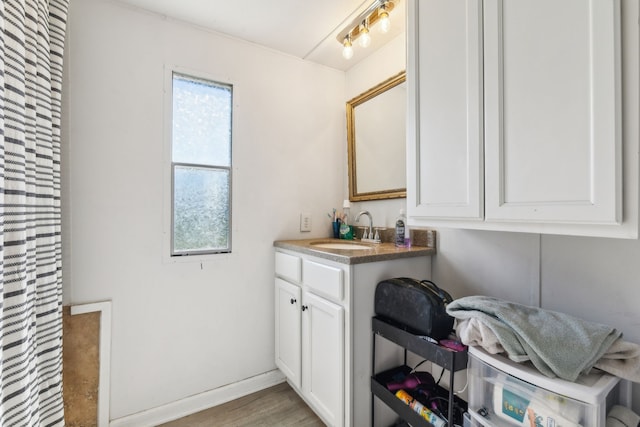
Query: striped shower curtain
[31,47]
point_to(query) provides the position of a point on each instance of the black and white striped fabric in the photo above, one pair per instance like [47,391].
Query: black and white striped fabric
[32,36]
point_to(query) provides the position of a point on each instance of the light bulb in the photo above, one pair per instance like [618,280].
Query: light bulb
[365,39]
[347,52]
[385,22]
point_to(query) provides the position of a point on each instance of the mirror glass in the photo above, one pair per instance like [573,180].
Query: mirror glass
[376,137]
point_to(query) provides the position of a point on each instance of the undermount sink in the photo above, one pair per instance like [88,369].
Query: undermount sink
[340,245]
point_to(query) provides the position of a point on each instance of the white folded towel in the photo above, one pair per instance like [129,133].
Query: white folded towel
[619,416]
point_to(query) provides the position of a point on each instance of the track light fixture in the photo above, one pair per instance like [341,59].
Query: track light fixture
[359,27]
[385,22]
[365,39]
[347,51]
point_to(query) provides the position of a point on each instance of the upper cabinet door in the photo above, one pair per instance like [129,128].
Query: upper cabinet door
[444,135]
[552,111]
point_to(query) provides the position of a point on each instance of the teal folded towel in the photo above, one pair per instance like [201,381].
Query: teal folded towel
[556,343]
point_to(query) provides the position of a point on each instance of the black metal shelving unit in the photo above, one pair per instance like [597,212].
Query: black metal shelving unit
[452,361]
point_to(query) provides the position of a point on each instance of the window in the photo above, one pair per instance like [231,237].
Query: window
[200,166]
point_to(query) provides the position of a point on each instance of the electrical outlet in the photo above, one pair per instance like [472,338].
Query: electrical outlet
[305,221]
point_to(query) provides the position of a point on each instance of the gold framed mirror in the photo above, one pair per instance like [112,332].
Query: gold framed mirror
[376,140]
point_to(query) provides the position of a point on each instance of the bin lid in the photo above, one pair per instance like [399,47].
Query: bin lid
[591,388]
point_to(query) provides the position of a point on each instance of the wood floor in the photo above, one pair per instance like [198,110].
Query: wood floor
[276,406]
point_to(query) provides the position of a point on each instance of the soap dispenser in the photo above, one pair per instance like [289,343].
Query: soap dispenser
[346,232]
[402,236]
[346,206]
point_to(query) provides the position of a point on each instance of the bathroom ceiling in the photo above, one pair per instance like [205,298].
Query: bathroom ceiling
[302,28]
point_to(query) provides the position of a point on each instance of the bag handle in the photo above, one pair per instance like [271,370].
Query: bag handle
[444,296]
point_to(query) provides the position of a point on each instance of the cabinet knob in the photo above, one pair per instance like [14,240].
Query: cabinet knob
[293,300]
[304,307]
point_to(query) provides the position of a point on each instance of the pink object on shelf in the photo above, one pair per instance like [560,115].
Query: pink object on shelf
[453,345]
[412,381]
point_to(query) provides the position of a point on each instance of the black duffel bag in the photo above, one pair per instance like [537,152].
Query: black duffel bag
[419,306]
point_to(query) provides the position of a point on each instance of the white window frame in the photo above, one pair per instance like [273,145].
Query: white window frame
[168,168]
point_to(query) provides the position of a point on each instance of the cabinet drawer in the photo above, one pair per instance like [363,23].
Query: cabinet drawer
[289,266]
[324,280]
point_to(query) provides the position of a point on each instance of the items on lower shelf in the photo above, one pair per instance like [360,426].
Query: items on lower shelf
[428,413]
[408,412]
[426,401]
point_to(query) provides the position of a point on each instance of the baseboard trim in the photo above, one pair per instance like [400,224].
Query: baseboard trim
[199,402]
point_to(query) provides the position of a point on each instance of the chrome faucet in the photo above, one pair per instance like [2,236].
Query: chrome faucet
[370,233]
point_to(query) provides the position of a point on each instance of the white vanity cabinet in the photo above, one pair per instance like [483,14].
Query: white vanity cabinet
[288,330]
[515,116]
[323,311]
[310,332]
[323,357]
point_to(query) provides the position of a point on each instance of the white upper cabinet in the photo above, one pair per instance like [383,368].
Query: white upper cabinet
[516,116]
[552,110]
[445,91]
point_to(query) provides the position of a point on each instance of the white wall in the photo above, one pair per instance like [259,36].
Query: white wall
[182,328]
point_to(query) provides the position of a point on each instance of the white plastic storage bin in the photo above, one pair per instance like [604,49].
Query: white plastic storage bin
[505,393]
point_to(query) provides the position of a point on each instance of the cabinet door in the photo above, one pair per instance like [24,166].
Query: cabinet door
[445,135]
[552,111]
[288,330]
[323,355]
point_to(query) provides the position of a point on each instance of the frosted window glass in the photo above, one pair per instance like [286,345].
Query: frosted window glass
[201,122]
[201,209]
[201,166]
